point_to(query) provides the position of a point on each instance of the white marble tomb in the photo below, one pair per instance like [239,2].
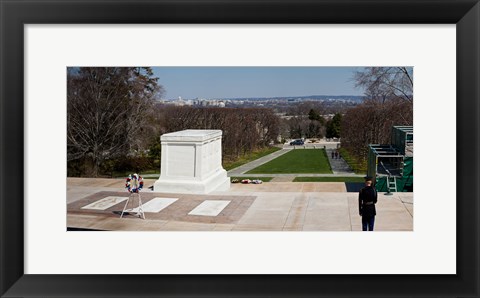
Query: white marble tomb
[192,162]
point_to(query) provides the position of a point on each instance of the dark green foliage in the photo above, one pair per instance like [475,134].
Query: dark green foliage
[313,115]
[334,126]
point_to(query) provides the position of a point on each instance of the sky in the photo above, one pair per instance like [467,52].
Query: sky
[242,82]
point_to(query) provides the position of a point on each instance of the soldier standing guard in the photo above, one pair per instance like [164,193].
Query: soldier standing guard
[367,198]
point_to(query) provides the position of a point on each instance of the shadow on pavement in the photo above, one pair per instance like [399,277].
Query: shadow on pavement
[354,186]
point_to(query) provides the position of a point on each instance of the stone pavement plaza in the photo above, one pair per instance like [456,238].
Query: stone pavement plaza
[272,206]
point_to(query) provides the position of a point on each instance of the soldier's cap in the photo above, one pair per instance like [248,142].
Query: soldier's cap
[368,178]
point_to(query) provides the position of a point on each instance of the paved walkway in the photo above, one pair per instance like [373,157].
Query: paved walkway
[288,206]
[339,165]
[239,171]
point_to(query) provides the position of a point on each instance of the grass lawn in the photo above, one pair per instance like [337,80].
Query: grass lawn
[357,166]
[228,165]
[328,179]
[264,179]
[297,161]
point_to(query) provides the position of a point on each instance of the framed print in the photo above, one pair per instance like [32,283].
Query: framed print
[45,44]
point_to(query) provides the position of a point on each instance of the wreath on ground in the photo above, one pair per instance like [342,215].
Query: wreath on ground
[248,181]
[134,183]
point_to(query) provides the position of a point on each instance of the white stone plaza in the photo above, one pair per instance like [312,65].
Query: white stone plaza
[272,206]
[192,162]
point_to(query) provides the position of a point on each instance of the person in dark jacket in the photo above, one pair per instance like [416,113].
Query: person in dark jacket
[367,198]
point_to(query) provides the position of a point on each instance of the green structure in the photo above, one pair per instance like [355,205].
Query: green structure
[392,165]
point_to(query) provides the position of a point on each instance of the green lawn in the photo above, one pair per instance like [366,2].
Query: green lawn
[228,165]
[357,166]
[264,179]
[328,179]
[297,161]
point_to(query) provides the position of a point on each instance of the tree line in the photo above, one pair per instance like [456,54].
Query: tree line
[244,129]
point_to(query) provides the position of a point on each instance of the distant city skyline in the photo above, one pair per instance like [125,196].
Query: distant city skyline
[244,82]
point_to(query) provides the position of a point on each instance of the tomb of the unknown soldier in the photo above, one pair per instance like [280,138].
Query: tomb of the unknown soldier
[191,162]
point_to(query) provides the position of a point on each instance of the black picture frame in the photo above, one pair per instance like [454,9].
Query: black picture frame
[15,14]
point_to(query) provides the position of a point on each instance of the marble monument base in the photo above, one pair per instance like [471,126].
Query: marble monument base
[217,182]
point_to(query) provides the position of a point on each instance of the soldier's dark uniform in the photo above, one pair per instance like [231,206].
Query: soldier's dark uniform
[367,198]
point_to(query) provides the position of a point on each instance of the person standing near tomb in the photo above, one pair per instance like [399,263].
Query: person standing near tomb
[367,198]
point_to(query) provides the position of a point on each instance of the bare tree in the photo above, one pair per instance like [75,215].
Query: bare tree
[383,83]
[107,108]
[389,102]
